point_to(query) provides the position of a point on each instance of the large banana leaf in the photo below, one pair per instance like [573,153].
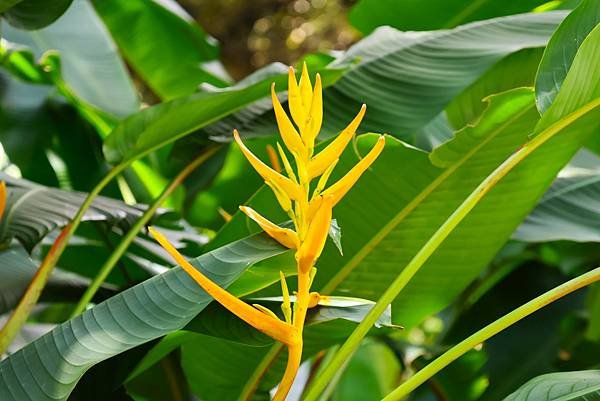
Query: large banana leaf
[49,368]
[407,78]
[563,386]
[163,44]
[32,210]
[90,64]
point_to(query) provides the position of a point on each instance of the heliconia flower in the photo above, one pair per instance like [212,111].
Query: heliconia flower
[284,236]
[311,214]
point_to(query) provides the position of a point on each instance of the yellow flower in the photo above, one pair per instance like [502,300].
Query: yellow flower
[311,214]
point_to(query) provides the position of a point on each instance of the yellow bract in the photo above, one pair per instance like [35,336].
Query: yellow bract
[311,214]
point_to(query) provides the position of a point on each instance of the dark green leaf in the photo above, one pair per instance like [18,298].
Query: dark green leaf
[407,78]
[33,14]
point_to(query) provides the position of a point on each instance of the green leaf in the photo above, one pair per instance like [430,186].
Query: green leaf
[410,15]
[33,14]
[564,386]
[163,44]
[561,50]
[32,211]
[159,125]
[50,367]
[372,373]
[570,210]
[407,78]
[514,71]
[90,64]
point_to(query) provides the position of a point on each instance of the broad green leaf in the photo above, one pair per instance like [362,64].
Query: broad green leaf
[410,15]
[407,78]
[563,386]
[164,123]
[33,14]
[163,44]
[49,368]
[32,210]
[90,64]
[570,210]
[372,373]
[561,50]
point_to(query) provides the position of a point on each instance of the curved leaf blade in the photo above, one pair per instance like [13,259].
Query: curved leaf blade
[564,386]
[407,78]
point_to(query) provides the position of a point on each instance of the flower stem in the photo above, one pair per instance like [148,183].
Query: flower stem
[353,342]
[490,330]
[32,294]
[135,229]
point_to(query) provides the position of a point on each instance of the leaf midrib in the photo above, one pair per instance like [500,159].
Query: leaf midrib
[345,270]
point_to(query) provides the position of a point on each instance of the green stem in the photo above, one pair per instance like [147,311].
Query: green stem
[32,294]
[135,229]
[434,242]
[490,330]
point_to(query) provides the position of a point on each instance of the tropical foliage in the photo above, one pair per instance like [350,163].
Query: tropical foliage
[439,243]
